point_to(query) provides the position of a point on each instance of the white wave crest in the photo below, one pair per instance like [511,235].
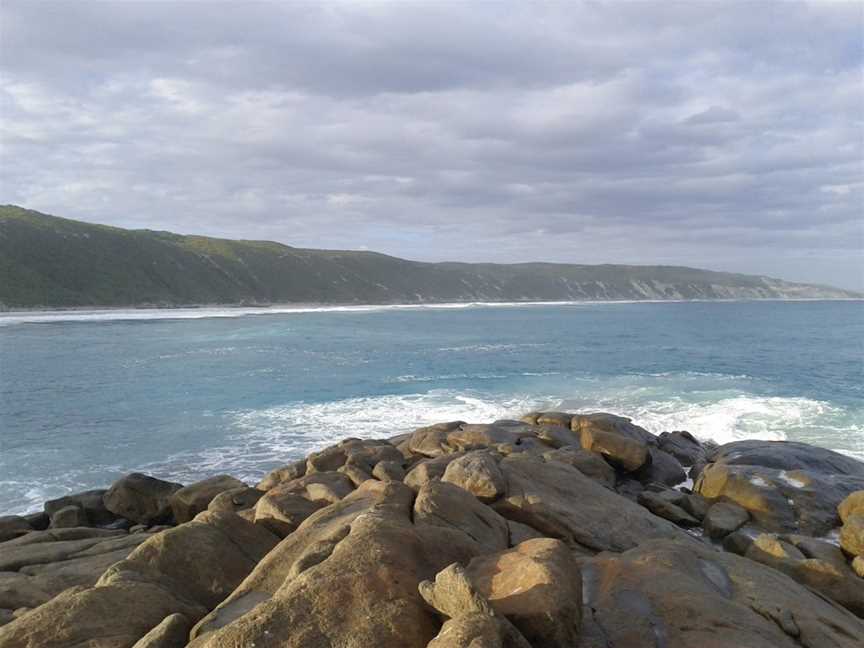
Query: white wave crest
[732,419]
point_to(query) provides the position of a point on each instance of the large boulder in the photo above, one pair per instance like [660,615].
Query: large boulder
[852,504]
[235,499]
[282,474]
[621,442]
[188,569]
[141,498]
[471,621]
[852,535]
[660,468]
[822,568]
[348,576]
[537,586]
[452,508]
[427,470]
[478,473]
[664,594]
[591,464]
[365,453]
[282,511]
[479,436]
[114,615]
[190,500]
[682,445]
[557,436]
[724,518]
[666,508]
[13,526]
[175,557]
[788,456]
[561,502]
[69,516]
[795,501]
[91,502]
[43,570]
[432,441]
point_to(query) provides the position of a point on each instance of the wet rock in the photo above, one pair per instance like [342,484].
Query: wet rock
[141,498]
[682,445]
[827,575]
[787,456]
[661,468]
[792,501]
[723,518]
[679,597]
[561,502]
[738,542]
[478,473]
[537,586]
[172,632]
[666,509]
[772,545]
[191,500]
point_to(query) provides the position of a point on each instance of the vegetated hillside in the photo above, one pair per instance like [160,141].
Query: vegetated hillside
[47,261]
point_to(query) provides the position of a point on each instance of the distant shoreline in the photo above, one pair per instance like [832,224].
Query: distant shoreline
[204,311]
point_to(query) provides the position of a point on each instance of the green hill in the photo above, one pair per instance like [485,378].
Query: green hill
[46,261]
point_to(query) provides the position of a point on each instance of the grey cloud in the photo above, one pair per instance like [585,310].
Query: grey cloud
[720,135]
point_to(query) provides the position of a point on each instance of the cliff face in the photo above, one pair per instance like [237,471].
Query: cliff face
[54,262]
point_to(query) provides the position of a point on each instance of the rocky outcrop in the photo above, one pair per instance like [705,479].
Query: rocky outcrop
[189,501]
[141,498]
[674,596]
[555,530]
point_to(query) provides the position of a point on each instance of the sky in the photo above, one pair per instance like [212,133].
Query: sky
[723,135]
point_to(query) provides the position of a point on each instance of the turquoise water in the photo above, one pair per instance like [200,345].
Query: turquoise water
[86,397]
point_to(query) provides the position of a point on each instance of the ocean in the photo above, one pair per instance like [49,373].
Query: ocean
[86,397]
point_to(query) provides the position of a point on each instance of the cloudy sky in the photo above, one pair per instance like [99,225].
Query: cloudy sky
[719,135]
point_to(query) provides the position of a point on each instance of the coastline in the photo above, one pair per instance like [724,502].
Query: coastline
[415,526]
[238,310]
